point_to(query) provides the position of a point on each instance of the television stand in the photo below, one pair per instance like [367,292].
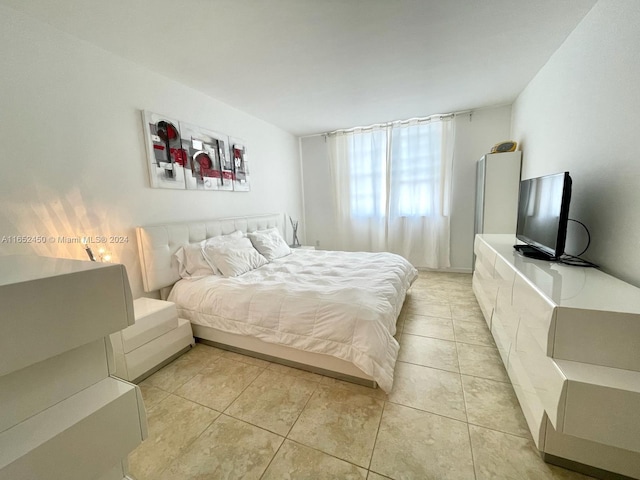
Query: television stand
[569,339]
[532,252]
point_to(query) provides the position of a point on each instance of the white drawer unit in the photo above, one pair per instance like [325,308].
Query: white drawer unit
[87,300]
[100,423]
[503,324]
[156,338]
[58,400]
[570,340]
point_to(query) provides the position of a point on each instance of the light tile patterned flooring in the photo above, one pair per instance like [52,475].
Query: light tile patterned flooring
[452,413]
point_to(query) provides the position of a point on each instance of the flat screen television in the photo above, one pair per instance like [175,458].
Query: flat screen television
[543,214]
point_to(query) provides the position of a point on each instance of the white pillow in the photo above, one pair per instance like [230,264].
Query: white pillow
[191,261]
[218,241]
[269,243]
[224,238]
[234,257]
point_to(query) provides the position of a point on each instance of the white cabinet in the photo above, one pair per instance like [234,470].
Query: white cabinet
[62,415]
[569,338]
[497,187]
[157,337]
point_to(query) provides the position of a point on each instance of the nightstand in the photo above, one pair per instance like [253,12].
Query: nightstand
[157,337]
[307,247]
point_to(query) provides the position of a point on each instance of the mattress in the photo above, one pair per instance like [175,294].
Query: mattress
[343,304]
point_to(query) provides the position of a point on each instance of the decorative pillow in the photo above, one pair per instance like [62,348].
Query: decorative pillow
[191,261]
[219,241]
[269,243]
[224,238]
[234,257]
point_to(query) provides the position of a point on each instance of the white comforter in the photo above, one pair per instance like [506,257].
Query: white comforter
[337,303]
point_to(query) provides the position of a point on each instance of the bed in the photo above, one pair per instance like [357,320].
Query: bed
[333,313]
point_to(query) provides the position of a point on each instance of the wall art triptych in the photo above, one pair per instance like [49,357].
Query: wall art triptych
[185,156]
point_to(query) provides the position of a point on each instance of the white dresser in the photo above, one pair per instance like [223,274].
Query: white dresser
[62,415]
[569,338]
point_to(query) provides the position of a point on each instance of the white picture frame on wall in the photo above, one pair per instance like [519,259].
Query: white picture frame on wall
[165,157]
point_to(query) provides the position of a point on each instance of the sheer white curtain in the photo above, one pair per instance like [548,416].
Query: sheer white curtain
[359,173]
[392,188]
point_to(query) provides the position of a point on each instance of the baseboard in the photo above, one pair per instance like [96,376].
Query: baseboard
[582,468]
[445,270]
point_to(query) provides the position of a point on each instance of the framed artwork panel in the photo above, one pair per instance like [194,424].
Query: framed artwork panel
[208,165]
[166,158]
[240,162]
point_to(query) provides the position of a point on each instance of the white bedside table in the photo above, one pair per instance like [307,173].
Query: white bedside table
[157,337]
[306,247]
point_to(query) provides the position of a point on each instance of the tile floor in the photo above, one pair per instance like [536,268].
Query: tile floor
[452,413]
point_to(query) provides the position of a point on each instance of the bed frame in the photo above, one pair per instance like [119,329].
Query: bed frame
[158,243]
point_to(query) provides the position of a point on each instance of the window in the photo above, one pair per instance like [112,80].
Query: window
[416,170]
[391,186]
[412,172]
[367,174]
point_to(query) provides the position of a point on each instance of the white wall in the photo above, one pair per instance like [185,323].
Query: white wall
[580,114]
[73,154]
[474,138]
[319,220]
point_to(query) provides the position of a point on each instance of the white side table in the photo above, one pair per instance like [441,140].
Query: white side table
[157,337]
[306,247]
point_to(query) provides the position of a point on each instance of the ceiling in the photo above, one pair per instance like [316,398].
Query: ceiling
[311,66]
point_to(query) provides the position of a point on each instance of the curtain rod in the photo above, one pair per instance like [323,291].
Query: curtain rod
[418,120]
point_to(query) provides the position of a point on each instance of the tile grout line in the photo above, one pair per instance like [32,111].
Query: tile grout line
[325,453]
[466,412]
[375,441]
[466,409]
[207,406]
[272,458]
[243,390]
[215,360]
[302,410]
[223,412]
[188,445]
[274,455]
[507,382]
[429,366]
[220,414]
[464,399]
[527,437]
[429,411]
[319,386]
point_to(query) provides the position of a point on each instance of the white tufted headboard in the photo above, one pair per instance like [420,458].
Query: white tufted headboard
[158,243]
